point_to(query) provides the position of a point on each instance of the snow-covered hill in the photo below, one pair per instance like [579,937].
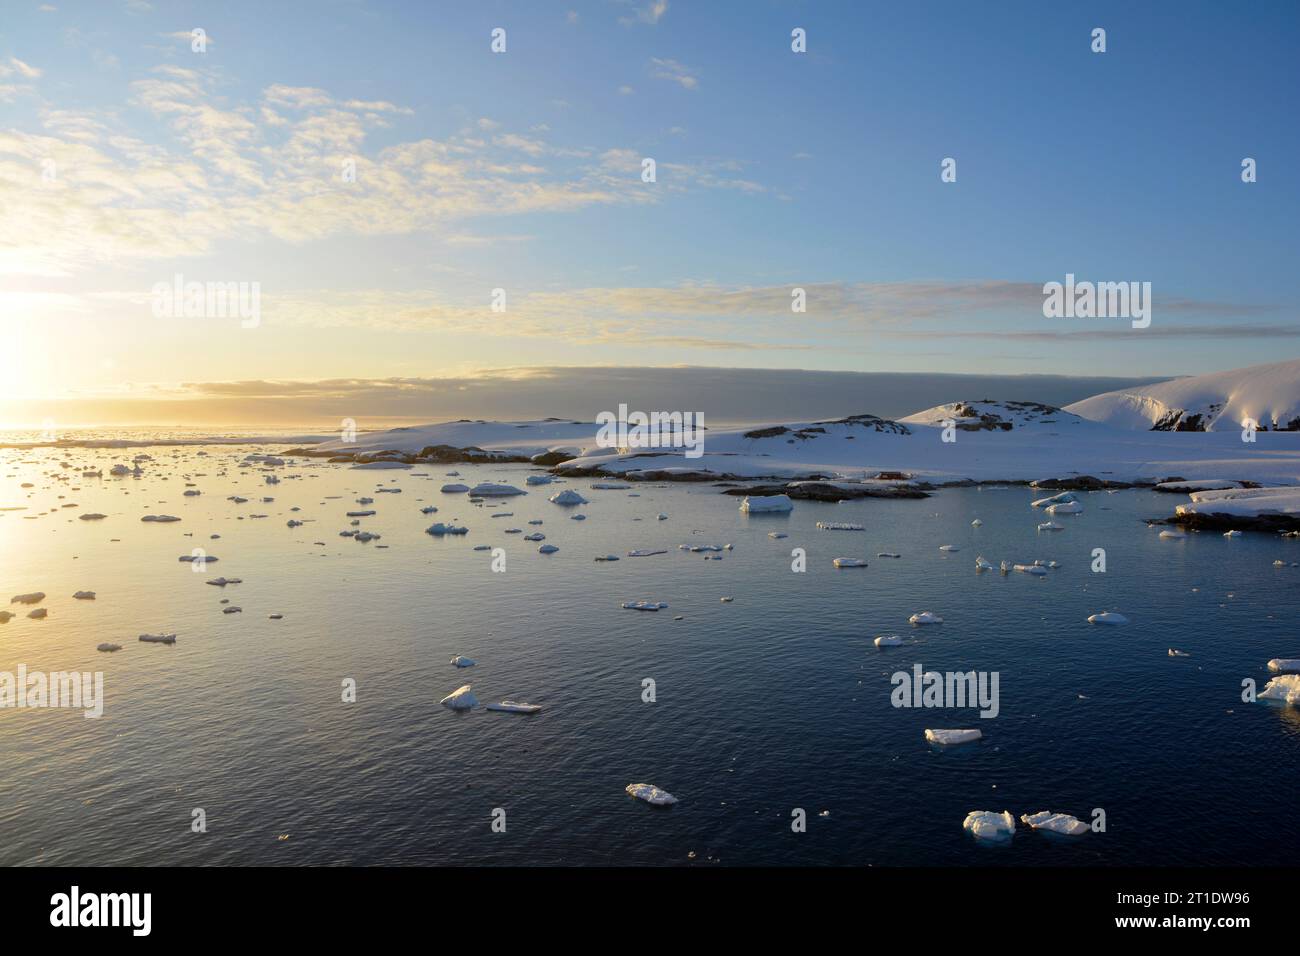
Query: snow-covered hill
[988,415]
[1220,401]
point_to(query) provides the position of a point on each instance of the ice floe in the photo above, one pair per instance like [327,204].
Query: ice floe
[650,794]
[462,661]
[108,648]
[1064,508]
[990,825]
[515,707]
[1055,823]
[35,597]
[766,504]
[849,563]
[1284,665]
[1285,688]
[158,638]
[888,640]
[1107,617]
[162,519]
[839,526]
[460,699]
[488,489]
[568,497]
[454,489]
[644,605]
[547,549]
[84,596]
[925,617]
[950,737]
[440,529]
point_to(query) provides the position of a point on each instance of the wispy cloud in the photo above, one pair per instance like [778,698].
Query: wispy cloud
[675,72]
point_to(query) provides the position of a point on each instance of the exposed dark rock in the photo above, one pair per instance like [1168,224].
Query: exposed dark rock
[1078,483]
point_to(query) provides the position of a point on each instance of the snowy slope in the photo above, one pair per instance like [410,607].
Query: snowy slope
[988,415]
[1267,394]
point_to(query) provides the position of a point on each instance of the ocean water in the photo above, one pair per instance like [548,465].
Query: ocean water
[775,701]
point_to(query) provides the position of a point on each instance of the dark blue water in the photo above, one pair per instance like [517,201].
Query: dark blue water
[775,701]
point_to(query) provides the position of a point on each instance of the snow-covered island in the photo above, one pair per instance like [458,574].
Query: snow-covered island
[1185,435]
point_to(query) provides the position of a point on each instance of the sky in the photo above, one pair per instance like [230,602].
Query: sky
[129,158]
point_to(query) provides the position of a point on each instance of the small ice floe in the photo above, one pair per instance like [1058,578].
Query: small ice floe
[650,794]
[535,536]
[294,523]
[198,558]
[1051,526]
[644,605]
[233,609]
[547,549]
[454,489]
[646,552]
[36,597]
[161,519]
[461,661]
[609,486]
[949,737]
[889,640]
[84,596]
[949,547]
[222,582]
[158,638]
[661,517]
[275,617]
[1173,533]
[1055,823]
[538,480]
[1284,665]
[766,504]
[6,617]
[515,707]
[1232,534]
[460,699]
[1005,567]
[568,497]
[976,523]
[39,614]
[361,514]
[839,526]
[1064,508]
[981,564]
[484,547]
[429,510]
[887,554]
[700,548]
[536,521]
[990,825]
[108,648]
[488,489]
[119,470]
[503,514]
[380,465]
[364,536]
[583,518]
[1062,498]
[849,563]
[93,516]
[439,529]
[1107,617]
[925,617]
[777,534]
[365,501]
[726,600]
[607,557]
[1285,688]
[1178,653]
[1036,569]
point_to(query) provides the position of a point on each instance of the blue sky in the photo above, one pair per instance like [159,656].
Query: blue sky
[521,171]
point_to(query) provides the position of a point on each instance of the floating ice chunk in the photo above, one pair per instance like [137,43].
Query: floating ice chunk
[460,699]
[568,497]
[610,486]
[651,794]
[535,536]
[108,648]
[1065,508]
[925,617]
[983,565]
[161,519]
[761,504]
[6,617]
[1226,534]
[488,489]
[1174,533]
[777,534]
[93,516]
[699,547]
[1107,617]
[515,707]
[233,609]
[949,737]
[461,661]
[547,549]
[607,557]
[39,614]
[158,638]
[1177,653]
[1056,823]
[726,600]
[84,596]
[293,523]
[643,605]
[839,526]
[577,517]
[119,470]
[361,514]
[428,510]
[949,547]
[198,558]
[538,480]
[990,825]
[36,597]
[1285,688]
[364,536]
[454,489]
[1051,526]
[889,640]
[1054,499]
[661,517]
[440,529]
[849,563]
[646,552]
[1037,569]
[1284,665]
[976,523]
[887,554]
[222,582]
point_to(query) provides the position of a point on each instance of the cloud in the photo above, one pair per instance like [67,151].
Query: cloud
[650,13]
[674,72]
